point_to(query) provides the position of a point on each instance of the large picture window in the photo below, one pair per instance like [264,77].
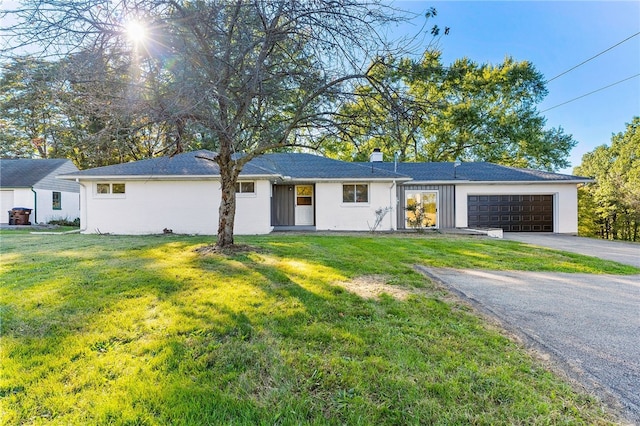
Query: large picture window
[355,193]
[421,209]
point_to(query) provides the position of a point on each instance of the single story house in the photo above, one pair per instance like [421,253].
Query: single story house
[311,192]
[31,184]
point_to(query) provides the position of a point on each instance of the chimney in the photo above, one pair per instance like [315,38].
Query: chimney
[376,156]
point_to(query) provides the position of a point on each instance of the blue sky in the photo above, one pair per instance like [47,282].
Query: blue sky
[555,36]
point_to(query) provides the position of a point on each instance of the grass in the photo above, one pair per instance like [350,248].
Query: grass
[145,331]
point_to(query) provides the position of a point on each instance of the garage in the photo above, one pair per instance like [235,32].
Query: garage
[6,204]
[512,213]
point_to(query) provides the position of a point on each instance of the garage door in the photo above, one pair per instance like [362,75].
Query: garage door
[512,213]
[6,204]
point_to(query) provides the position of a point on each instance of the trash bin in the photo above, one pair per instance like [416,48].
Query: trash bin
[11,217]
[21,215]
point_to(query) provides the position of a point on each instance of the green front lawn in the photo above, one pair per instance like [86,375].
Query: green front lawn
[144,330]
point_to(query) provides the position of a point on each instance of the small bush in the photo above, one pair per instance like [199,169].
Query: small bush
[65,222]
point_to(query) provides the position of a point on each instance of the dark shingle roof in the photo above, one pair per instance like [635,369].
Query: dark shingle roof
[25,172]
[195,163]
[475,172]
[309,166]
[292,165]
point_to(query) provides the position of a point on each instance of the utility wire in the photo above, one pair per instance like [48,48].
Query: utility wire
[593,57]
[591,93]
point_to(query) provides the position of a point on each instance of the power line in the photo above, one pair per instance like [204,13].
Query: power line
[591,93]
[593,57]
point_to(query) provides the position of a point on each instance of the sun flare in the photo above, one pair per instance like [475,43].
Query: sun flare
[136,31]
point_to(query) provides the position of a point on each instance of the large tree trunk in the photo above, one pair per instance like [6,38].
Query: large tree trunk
[227,211]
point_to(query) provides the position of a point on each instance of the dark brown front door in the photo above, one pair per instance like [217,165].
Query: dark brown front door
[283,205]
[512,213]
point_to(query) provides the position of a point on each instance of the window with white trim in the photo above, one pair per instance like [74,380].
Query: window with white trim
[56,200]
[106,189]
[247,187]
[355,193]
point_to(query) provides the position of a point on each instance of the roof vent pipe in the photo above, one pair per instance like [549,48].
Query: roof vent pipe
[376,156]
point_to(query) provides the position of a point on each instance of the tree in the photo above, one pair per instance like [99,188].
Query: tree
[29,108]
[612,202]
[252,75]
[478,112]
[53,109]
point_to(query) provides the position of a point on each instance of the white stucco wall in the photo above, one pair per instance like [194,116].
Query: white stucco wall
[70,206]
[565,201]
[185,207]
[333,214]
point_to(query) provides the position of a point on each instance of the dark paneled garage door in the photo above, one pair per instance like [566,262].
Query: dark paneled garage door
[512,213]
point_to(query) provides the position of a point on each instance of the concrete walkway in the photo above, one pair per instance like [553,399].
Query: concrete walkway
[589,325]
[618,251]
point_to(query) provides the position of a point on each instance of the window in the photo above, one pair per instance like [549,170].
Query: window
[110,188]
[103,188]
[56,201]
[421,209]
[304,195]
[245,187]
[355,193]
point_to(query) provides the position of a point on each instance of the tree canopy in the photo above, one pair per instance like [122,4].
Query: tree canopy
[610,206]
[471,111]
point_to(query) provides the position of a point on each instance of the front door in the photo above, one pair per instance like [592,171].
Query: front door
[304,205]
[282,205]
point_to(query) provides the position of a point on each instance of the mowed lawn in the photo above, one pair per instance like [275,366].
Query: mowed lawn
[146,331]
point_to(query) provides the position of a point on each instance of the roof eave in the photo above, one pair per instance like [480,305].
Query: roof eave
[527,182]
[158,177]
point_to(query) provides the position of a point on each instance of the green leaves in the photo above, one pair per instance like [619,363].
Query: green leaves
[427,111]
[610,207]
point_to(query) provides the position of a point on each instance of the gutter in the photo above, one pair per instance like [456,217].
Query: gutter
[497,182]
[394,207]
[83,211]
[156,177]
[35,206]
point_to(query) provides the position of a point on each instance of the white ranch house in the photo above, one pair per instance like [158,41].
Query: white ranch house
[310,192]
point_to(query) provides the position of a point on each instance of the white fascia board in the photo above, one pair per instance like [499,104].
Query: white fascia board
[160,177]
[347,179]
[528,182]
[493,182]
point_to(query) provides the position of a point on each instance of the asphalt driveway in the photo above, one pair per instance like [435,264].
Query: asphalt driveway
[589,325]
[618,251]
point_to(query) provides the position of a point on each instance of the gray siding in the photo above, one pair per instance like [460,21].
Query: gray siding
[446,203]
[283,205]
[50,182]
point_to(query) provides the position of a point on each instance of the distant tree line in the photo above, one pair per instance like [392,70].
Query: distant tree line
[610,206]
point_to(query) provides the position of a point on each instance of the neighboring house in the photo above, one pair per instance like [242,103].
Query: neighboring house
[310,192]
[32,184]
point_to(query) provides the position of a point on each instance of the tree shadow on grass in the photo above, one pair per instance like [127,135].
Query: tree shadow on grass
[158,334]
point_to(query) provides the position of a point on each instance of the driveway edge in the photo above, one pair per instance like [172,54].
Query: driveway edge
[580,380]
